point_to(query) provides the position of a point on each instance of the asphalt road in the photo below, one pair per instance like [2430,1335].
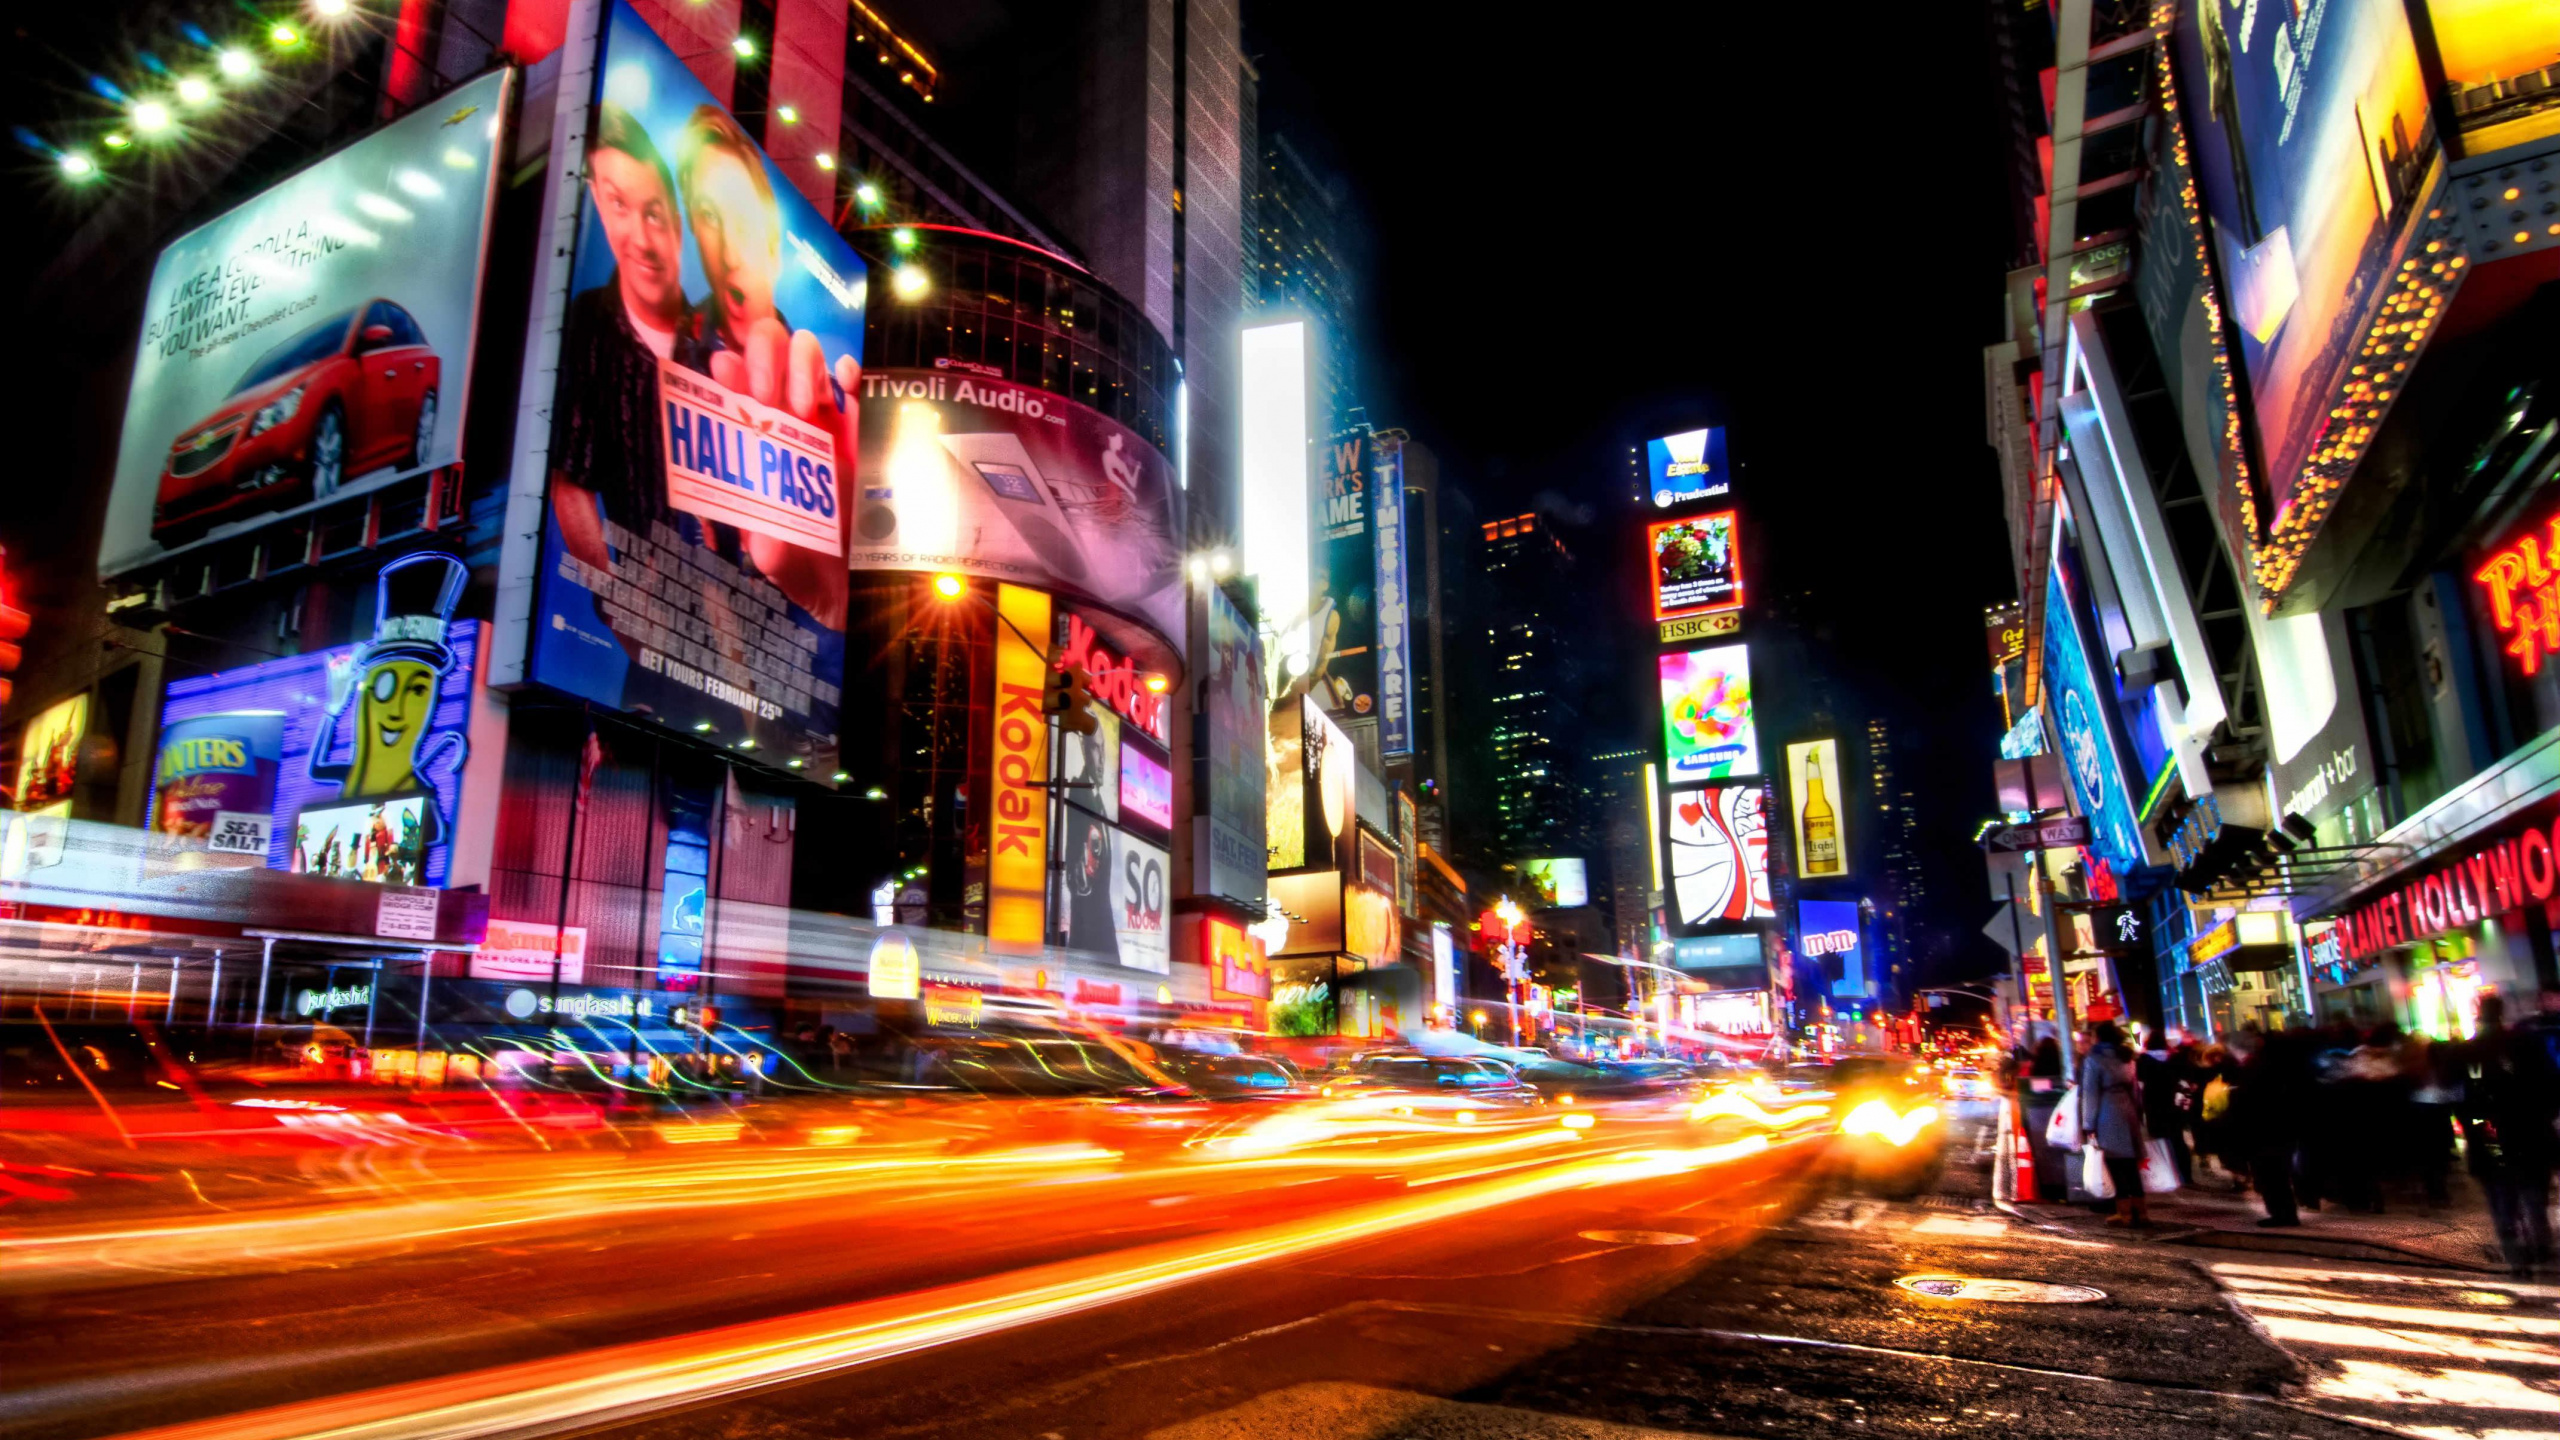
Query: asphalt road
[1597,1288]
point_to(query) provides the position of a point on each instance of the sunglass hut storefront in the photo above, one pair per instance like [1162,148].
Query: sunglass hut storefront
[2440,933]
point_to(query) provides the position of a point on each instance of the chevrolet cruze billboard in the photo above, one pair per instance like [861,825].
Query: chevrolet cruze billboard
[313,343]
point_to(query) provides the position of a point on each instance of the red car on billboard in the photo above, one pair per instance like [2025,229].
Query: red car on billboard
[346,396]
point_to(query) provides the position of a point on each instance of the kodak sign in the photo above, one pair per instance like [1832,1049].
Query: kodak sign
[1018,831]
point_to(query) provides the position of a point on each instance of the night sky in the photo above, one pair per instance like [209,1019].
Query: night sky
[1619,221]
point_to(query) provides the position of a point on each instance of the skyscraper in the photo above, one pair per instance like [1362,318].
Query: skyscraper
[1301,263]
[1532,676]
[1896,817]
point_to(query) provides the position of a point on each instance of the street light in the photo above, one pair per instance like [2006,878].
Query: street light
[950,587]
[909,281]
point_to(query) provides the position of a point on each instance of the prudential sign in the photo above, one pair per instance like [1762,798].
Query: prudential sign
[2094,775]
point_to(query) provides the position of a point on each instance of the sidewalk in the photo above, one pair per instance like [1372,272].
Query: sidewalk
[2457,1235]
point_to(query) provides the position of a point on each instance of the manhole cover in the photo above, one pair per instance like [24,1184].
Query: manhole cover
[1639,1237]
[2006,1292]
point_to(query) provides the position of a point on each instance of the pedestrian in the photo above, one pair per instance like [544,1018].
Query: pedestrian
[2266,1117]
[2111,1119]
[2434,1074]
[2047,1062]
[2159,1072]
[2514,1095]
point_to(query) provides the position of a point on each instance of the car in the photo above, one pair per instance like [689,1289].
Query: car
[342,397]
[1474,1078]
[1236,1077]
[1964,1082]
[1893,1137]
[1607,1079]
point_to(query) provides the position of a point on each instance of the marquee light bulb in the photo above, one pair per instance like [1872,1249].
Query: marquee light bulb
[284,37]
[330,9]
[904,237]
[868,194]
[235,64]
[745,45]
[909,282]
[116,140]
[790,114]
[195,90]
[150,117]
[826,161]
[77,165]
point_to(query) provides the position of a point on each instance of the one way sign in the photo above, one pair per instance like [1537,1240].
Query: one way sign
[2044,834]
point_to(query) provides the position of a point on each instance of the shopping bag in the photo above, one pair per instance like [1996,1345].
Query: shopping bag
[2159,1169]
[2062,1132]
[2093,1173]
[2217,1098]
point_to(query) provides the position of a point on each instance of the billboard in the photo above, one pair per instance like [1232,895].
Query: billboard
[1312,904]
[1371,928]
[986,477]
[1718,840]
[1560,883]
[344,762]
[2501,70]
[1687,466]
[1111,895]
[49,756]
[1285,784]
[313,343]
[692,562]
[1342,609]
[1828,933]
[1146,788]
[1237,732]
[1707,731]
[1019,850]
[1278,505]
[2314,143]
[1395,635]
[1813,785]
[1697,565]
[2092,767]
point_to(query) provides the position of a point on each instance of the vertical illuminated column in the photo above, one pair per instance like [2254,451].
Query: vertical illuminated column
[1018,853]
[1274,453]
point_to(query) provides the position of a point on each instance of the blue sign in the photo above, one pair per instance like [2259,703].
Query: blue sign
[2093,771]
[1395,637]
[1828,934]
[1685,467]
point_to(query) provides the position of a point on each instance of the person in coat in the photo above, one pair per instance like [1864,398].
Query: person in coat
[2111,1119]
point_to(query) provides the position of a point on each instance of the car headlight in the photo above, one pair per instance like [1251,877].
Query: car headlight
[277,411]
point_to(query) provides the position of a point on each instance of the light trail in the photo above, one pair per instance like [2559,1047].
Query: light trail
[622,1383]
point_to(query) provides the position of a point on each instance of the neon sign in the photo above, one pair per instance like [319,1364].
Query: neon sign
[1117,680]
[2524,596]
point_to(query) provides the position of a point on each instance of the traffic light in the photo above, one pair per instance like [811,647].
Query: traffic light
[13,628]
[1069,698]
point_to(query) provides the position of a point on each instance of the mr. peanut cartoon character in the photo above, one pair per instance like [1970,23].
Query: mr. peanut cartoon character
[391,687]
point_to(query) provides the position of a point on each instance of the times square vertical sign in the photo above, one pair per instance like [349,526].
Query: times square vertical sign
[1395,636]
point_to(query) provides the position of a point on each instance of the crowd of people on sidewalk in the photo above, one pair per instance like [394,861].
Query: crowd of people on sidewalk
[2313,1117]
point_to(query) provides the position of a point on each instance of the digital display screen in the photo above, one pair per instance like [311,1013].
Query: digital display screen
[1718,842]
[1687,466]
[1697,565]
[1707,728]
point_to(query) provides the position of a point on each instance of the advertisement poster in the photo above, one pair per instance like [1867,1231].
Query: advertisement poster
[2314,143]
[313,343]
[1685,467]
[988,478]
[1238,739]
[1111,899]
[368,741]
[525,950]
[1342,610]
[1371,928]
[49,755]
[1719,849]
[1828,933]
[1089,766]
[215,783]
[1707,731]
[2502,69]
[1285,783]
[1146,788]
[2091,764]
[1018,851]
[1312,904]
[693,558]
[1560,883]
[1697,566]
[1813,783]
[1395,637]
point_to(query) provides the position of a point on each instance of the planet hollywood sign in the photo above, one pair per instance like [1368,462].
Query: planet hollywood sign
[2497,876]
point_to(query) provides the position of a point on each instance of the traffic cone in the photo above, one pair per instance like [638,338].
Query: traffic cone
[2022,1154]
